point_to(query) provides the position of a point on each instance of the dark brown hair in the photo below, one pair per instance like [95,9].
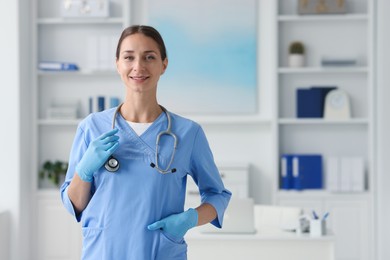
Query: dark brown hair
[147,31]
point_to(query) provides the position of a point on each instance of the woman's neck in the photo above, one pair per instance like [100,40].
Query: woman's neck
[140,110]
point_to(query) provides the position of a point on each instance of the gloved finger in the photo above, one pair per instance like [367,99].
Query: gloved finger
[108,146]
[109,139]
[109,133]
[113,148]
[156,225]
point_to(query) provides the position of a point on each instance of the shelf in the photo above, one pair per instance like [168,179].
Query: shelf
[79,73]
[322,18]
[322,121]
[58,122]
[315,194]
[322,70]
[72,21]
[207,120]
[229,120]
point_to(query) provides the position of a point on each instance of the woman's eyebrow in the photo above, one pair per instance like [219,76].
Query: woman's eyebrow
[130,51]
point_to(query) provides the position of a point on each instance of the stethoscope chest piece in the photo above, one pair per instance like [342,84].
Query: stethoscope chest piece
[112,164]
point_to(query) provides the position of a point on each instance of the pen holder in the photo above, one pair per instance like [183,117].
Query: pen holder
[317,227]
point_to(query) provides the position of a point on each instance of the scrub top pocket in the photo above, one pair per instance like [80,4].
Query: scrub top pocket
[91,242]
[171,248]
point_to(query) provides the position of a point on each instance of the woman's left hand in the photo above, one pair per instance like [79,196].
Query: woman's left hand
[177,225]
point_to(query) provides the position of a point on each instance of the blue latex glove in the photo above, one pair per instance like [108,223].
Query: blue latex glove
[97,154]
[177,225]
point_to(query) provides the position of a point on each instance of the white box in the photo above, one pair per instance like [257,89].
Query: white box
[352,174]
[101,52]
[86,8]
[357,174]
[62,113]
[333,174]
[345,174]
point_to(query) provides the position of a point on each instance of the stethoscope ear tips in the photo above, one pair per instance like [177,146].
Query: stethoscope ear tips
[161,171]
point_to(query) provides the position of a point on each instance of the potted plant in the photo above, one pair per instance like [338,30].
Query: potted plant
[296,54]
[53,171]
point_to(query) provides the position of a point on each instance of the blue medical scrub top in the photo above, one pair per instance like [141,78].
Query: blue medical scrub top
[124,203]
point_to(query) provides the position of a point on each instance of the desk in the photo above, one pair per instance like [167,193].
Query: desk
[270,245]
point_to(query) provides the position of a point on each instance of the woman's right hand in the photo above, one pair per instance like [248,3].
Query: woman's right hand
[97,154]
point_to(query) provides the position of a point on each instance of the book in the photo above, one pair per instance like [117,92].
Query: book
[338,62]
[57,66]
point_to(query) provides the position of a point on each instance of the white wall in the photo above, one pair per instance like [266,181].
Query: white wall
[383,108]
[9,114]
[14,67]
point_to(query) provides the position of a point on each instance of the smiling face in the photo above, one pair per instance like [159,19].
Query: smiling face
[140,64]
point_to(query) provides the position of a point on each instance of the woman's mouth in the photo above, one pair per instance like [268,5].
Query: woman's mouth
[139,78]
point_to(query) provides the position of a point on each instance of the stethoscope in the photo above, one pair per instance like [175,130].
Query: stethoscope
[112,164]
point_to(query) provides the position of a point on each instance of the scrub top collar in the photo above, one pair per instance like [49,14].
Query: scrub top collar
[120,123]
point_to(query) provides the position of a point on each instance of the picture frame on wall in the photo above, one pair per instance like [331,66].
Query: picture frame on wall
[212,55]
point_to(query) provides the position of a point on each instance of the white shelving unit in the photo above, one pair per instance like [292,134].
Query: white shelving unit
[51,43]
[55,234]
[344,35]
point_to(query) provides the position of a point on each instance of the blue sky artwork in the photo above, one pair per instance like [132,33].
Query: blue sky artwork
[212,55]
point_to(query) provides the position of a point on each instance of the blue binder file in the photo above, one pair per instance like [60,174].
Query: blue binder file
[307,172]
[286,177]
[101,103]
[310,101]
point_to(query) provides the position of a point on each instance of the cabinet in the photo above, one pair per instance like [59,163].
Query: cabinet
[58,235]
[262,245]
[348,220]
[330,35]
[89,42]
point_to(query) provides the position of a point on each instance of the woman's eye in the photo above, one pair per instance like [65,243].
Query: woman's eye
[149,57]
[129,58]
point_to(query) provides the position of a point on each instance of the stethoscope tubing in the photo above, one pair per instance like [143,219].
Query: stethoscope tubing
[113,161]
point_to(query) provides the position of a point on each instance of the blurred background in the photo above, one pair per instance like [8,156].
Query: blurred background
[269,81]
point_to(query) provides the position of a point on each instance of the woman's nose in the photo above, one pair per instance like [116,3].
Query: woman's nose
[138,64]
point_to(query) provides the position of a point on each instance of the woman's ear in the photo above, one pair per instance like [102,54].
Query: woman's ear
[165,65]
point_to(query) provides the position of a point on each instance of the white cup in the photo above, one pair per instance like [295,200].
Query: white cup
[317,227]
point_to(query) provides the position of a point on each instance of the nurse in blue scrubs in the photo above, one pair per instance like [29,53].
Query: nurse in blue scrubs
[136,211]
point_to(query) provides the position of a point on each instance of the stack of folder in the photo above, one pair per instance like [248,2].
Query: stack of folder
[345,174]
[310,101]
[100,103]
[301,171]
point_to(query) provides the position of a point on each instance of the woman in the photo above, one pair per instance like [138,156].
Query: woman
[133,208]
